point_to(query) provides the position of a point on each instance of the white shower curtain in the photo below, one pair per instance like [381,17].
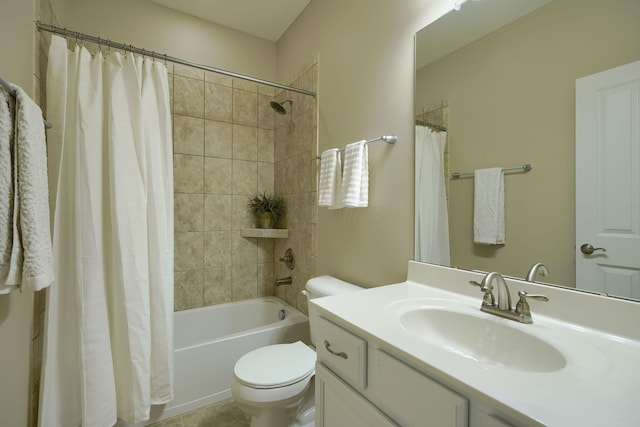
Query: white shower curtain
[431,217]
[108,347]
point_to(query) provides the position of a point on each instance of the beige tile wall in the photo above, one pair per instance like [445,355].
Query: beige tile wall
[229,144]
[223,133]
[295,173]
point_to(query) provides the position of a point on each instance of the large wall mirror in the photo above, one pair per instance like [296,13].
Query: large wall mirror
[500,77]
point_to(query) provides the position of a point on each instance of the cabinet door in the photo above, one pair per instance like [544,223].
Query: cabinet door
[338,405]
[412,398]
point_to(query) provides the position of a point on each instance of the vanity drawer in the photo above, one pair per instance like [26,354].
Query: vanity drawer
[342,352]
[410,397]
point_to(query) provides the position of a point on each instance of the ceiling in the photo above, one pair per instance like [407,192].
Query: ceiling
[261,18]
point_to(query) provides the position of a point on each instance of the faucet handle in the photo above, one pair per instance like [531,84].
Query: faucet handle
[522,307]
[474,283]
[488,298]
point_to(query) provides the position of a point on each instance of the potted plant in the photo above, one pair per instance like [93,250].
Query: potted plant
[266,208]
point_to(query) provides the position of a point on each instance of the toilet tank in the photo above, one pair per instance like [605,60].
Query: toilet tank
[324,286]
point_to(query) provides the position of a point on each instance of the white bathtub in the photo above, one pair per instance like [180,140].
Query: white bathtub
[209,341]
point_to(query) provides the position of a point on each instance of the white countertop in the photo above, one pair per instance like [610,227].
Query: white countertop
[598,386]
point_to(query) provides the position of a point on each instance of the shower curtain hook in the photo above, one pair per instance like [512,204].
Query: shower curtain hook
[165,59]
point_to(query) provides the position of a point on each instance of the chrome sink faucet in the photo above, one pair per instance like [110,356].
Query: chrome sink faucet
[535,268]
[503,308]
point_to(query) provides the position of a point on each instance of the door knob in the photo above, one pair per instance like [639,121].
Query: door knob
[587,249]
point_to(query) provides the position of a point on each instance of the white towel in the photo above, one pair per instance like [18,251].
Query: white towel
[488,207]
[355,176]
[31,263]
[6,187]
[330,181]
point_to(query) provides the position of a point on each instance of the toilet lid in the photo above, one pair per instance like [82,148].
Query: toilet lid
[275,365]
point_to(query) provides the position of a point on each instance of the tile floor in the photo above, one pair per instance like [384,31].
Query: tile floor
[221,414]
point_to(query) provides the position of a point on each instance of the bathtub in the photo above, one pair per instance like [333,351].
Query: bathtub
[209,340]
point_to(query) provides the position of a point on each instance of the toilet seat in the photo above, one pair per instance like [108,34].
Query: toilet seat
[274,366]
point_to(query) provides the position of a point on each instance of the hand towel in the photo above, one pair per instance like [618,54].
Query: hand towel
[330,180]
[488,207]
[32,194]
[355,176]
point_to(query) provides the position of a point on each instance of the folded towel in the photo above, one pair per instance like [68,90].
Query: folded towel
[6,187]
[355,176]
[32,194]
[488,207]
[330,180]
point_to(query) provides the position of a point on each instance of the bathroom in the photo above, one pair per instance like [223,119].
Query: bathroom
[363,54]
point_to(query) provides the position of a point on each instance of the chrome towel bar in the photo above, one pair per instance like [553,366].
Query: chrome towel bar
[523,168]
[389,139]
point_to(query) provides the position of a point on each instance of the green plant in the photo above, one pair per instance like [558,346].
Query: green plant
[264,202]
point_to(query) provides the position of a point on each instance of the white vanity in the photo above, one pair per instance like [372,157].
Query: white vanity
[421,353]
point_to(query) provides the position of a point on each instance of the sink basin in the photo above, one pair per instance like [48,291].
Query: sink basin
[480,338]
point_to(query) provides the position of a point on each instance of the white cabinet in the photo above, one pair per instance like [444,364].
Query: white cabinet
[357,383]
[412,398]
[339,405]
[343,352]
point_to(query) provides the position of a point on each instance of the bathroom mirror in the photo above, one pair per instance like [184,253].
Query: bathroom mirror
[500,76]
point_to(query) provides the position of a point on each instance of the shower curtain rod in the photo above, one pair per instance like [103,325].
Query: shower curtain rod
[431,125]
[127,47]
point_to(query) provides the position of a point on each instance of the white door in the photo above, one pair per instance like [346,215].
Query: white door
[608,181]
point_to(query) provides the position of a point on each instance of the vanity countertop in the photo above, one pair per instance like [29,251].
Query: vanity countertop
[598,386]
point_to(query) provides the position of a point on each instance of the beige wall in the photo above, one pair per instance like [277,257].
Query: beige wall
[511,101]
[365,90]
[17,66]
[150,26]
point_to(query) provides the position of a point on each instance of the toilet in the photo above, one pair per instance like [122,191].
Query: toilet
[274,384]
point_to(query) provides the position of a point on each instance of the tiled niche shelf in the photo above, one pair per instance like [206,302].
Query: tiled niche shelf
[265,233]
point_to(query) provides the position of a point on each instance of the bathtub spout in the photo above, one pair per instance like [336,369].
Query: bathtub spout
[283,281]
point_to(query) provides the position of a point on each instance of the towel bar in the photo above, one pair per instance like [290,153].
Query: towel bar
[524,168]
[389,139]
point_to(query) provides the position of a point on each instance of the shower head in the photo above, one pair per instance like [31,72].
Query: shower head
[278,107]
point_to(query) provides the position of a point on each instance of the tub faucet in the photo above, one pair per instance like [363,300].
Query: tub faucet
[284,281]
[535,268]
[503,308]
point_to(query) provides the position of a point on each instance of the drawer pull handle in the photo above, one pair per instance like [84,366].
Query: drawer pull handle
[342,354]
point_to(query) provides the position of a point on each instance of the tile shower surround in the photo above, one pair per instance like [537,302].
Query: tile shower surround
[228,145]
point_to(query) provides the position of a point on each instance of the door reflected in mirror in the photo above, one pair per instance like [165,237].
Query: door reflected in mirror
[503,84]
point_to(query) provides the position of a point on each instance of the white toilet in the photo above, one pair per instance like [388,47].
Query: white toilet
[274,384]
